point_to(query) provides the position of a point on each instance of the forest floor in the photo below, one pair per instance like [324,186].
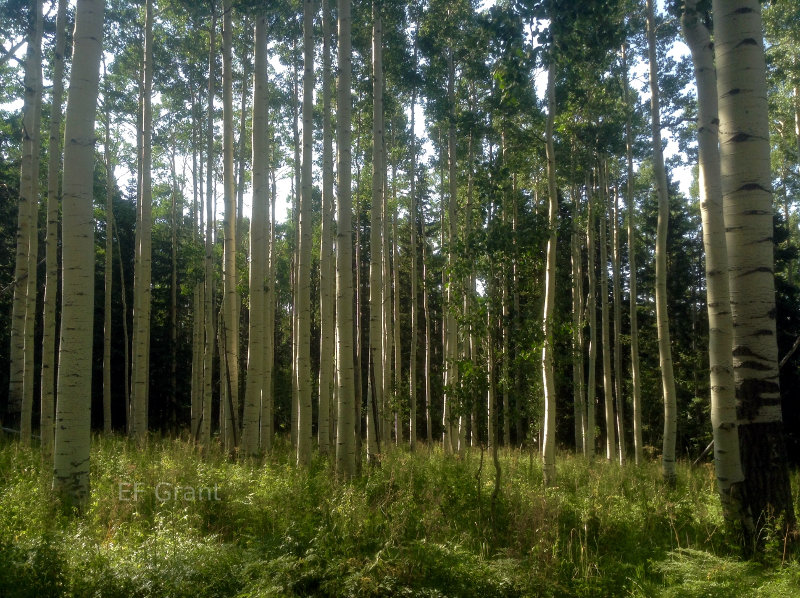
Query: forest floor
[164,522]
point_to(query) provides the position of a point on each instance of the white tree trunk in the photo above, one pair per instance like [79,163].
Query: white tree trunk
[662,319]
[727,463]
[142,273]
[304,433]
[327,324]
[345,435]
[548,370]
[48,401]
[747,204]
[254,385]
[73,416]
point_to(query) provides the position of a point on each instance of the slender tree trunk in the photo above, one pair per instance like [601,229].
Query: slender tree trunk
[73,415]
[591,306]
[296,232]
[375,375]
[268,391]
[413,222]
[208,309]
[255,390]
[662,319]
[428,348]
[608,384]
[451,332]
[345,437]
[231,299]
[398,349]
[579,407]
[617,298]
[747,204]
[108,274]
[20,388]
[727,462]
[142,275]
[172,414]
[634,324]
[548,369]
[304,423]
[327,324]
[51,244]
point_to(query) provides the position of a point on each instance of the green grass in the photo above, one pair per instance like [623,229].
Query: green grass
[420,525]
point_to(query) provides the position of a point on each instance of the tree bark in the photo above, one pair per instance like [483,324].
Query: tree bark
[345,436]
[255,390]
[727,462]
[20,388]
[548,370]
[327,324]
[662,318]
[375,397]
[142,273]
[73,416]
[230,372]
[747,204]
[49,363]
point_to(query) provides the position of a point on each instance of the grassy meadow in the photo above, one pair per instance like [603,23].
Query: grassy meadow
[422,524]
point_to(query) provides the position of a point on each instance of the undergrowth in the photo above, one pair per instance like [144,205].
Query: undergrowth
[421,524]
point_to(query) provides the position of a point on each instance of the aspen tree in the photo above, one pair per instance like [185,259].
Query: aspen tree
[451,329]
[664,349]
[304,433]
[617,298]
[255,390]
[375,358]
[579,407]
[142,267]
[548,370]
[413,223]
[107,270]
[591,307]
[636,389]
[230,370]
[73,414]
[51,242]
[747,205]
[608,385]
[208,274]
[327,281]
[23,314]
[727,462]
[345,350]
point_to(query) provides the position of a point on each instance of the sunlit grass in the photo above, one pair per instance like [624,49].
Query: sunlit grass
[421,524]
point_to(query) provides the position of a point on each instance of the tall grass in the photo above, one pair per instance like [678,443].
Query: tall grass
[421,524]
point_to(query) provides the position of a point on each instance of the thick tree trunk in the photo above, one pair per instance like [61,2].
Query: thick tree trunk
[747,203]
[254,386]
[142,274]
[727,462]
[327,324]
[548,369]
[51,243]
[662,318]
[230,373]
[73,416]
[345,351]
